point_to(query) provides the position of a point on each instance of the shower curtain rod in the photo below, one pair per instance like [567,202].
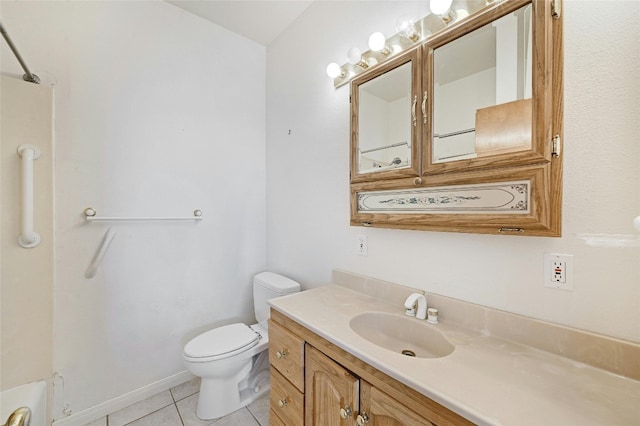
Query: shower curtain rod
[28,76]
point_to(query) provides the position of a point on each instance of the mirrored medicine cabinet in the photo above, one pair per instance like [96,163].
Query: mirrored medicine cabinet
[462,133]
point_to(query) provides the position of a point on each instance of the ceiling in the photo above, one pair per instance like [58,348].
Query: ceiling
[260,21]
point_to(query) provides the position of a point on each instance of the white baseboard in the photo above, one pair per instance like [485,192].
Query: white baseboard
[118,403]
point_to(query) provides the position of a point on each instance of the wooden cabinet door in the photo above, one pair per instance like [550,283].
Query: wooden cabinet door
[329,388]
[382,410]
[387,107]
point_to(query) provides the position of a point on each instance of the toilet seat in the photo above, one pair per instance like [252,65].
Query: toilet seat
[222,342]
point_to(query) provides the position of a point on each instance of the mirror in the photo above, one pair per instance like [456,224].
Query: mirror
[482,86]
[384,130]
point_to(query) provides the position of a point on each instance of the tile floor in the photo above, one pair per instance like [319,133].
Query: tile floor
[177,407]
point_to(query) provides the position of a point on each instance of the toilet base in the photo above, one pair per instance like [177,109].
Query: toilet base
[206,410]
[217,397]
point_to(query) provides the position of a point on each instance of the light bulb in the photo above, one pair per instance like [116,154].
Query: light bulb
[334,70]
[461,14]
[354,56]
[377,41]
[406,27]
[440,7]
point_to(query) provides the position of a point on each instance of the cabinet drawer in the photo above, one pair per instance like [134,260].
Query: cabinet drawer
[286,401]
[286,354]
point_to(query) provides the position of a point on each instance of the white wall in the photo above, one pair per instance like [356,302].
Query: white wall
[26,274]
[158,113]
[308,230]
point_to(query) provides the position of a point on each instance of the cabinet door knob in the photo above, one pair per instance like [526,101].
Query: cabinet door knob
[345,412]
[362,419]
[417,181]
[281,354]
[283,402]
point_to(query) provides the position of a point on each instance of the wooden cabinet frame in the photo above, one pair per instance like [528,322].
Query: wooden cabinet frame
[541,165]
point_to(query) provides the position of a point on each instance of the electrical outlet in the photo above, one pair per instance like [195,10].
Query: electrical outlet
[558,271]
[362,245]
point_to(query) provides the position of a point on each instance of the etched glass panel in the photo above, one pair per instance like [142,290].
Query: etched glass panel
[490,198]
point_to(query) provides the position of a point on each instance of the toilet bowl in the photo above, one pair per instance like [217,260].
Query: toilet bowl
[232,361]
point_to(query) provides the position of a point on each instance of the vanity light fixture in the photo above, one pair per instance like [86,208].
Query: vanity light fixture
[442,8]
[378,43]
[406,27]
[409,32]
[354,57]
[334,71]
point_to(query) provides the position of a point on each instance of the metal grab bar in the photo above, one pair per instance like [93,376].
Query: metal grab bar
[90,215]
[20,417]
[29,153]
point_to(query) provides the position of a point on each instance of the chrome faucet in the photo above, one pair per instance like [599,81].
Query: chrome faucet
[410,304]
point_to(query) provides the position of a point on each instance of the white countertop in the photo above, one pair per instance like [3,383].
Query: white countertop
[487,380]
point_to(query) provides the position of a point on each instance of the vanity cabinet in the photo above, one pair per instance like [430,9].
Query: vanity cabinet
[463,132]
[338,387]
[335,396]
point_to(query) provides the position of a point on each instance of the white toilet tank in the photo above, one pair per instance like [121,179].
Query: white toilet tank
[269,285]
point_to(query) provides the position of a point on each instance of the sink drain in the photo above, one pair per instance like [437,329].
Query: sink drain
[408,352]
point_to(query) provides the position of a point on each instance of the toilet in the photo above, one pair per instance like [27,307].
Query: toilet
[233,361]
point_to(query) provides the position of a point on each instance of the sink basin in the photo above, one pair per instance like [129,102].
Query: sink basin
[404,335]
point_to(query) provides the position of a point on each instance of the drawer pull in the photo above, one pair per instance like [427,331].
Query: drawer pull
[283,402]
[281,354]
[362,419]
[345,412]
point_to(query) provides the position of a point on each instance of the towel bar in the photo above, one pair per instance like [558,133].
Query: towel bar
[90,215]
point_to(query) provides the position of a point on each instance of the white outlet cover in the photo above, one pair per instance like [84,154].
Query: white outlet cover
[548,281]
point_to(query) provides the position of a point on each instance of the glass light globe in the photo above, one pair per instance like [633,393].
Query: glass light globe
[334,70]
[406,27]
[440,7]
[354,56]
[461,14]
[377,41]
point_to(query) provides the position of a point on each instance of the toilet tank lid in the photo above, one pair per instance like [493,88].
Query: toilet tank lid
[276,282]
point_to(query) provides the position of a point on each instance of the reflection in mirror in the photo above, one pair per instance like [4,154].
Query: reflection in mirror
[482,91]
[384,132]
